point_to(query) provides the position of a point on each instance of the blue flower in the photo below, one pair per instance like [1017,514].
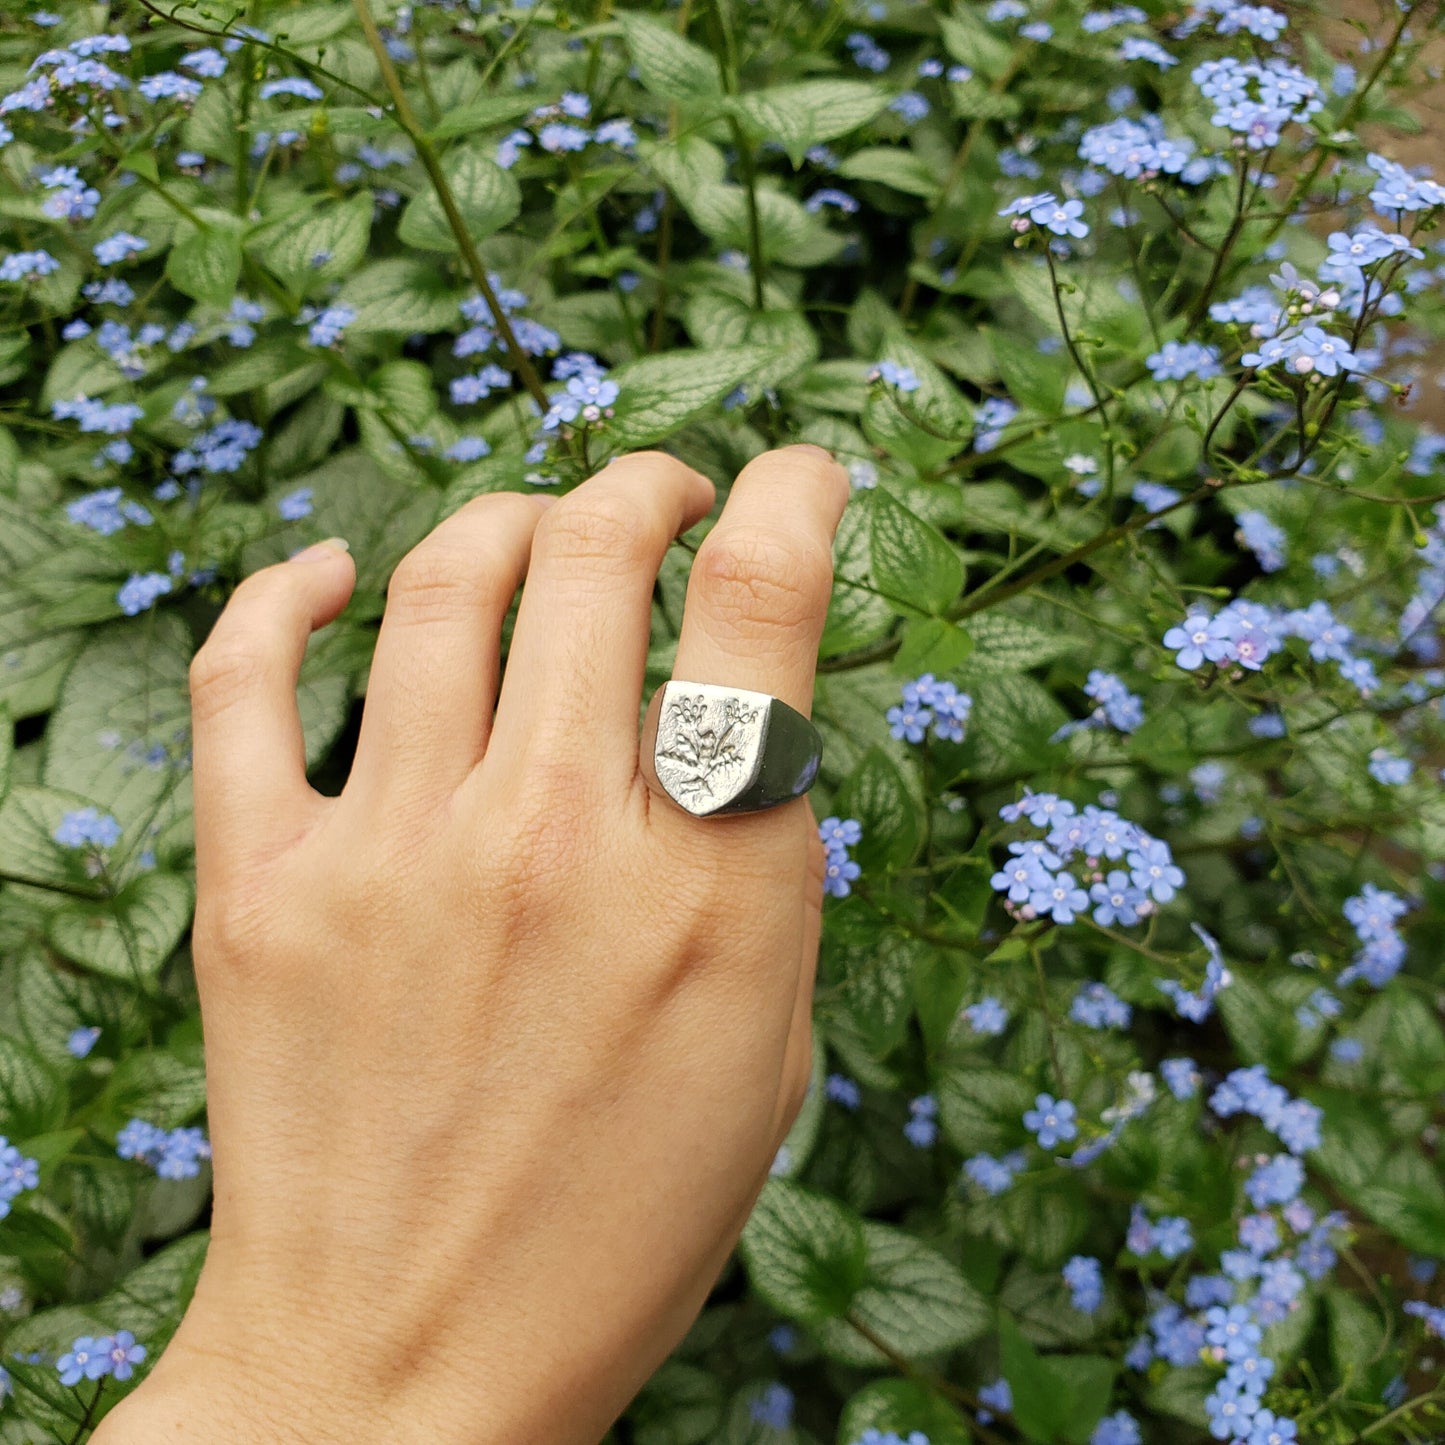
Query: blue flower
[81,1041]
[295,505]
[1085,1279]
[167,85]
[18,1173]
[296,85]
[1267,1428]
[1117,900]
[1051,1121]
[831,196]
[121,1353]
[1389,768]
[1181,1076]
[559,138]
[84,1360]
[895,375]
[1062,218]
[988,1017]
[1199,638]
[773,1407]
[1120,1428]
[1136,47]
[910,105]
[1275,1182]
[208,63]
[84,827]
[843,1091]
[20,265]
[993,1176]
[1059,898]
[326,326]
[1266,540]
[1178,360]
[921,1130]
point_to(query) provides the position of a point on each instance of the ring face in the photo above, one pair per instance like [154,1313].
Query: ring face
[715,750]
[709,740]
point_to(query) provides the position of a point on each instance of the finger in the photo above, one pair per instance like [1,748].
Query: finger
[433,681]
[762,578]
[248,753]
[798,1055]
[573,686]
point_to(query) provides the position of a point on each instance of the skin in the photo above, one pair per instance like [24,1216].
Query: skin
[499,1045]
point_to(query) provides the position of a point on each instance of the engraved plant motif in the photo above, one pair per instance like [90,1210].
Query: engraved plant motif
[700,750]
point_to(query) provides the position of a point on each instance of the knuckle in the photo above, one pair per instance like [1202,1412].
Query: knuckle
[224,671]
[439,580]
[607,530]
[229,922]
[759,579]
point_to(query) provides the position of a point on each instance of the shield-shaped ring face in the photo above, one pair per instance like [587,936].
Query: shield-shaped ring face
[709,743]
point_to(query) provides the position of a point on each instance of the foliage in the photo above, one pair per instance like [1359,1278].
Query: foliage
[1126,1116]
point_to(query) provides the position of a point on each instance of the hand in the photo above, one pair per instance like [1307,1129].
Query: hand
[499,1046]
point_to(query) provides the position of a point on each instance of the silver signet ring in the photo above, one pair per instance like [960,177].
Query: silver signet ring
[718,750]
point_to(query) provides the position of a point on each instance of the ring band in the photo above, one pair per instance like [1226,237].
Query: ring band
[718,750]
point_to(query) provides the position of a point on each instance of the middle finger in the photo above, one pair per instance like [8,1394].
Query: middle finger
[572,690]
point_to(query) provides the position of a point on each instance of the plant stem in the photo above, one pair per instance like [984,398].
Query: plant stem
[426,153]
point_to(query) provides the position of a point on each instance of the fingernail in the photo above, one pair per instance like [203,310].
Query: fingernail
[320,551]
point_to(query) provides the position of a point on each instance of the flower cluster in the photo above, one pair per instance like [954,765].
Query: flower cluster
[1373,914]
[838,835]
[173,1154]
[927,700]
[1249,633]
[1037,883]
[17,1174]
[97,1358]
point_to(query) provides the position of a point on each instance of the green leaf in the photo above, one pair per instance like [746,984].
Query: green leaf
[29,817]
[877,986]
[400,294]
[381,518]
[1358,1338]
[1012,722]
[899,1407]
[1032,378]
[857,615]
[670,66]
[804,1252]
[931,644]
[120,732]
[914,1301]
[680,1405]
[808,112]
[876,794]
[1060,1397]
[913,562]
[32,1093]
[659,394]
[981,1109]
[481,115]
[323,244]
[897,167]
[206,265]
[486,198]
[52,1002]
[924,427]
[130,936]
[156,1085]
[1005,643]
